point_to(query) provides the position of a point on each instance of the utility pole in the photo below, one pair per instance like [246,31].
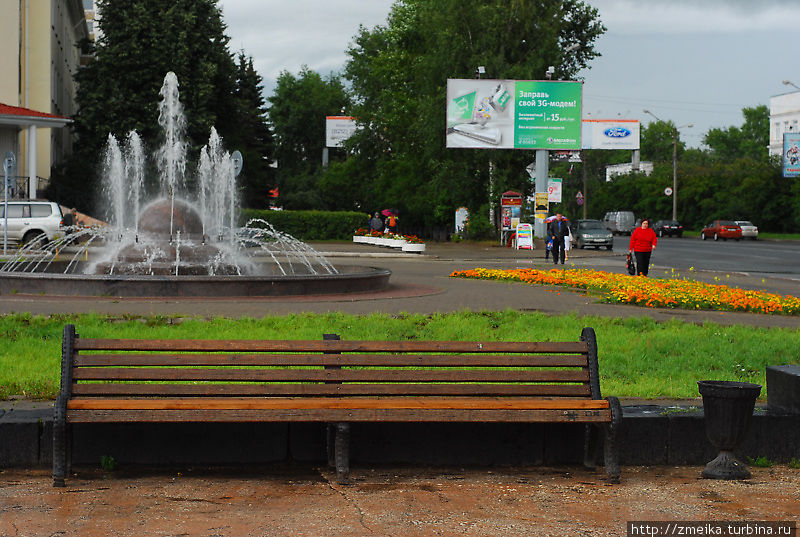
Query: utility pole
[674,163]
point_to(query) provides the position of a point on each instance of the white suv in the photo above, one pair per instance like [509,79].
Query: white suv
[31,220]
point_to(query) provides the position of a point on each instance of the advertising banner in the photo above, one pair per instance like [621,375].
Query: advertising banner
[610,134]
[338,129]
[513,114]
[524,239]
[791,154]
[510,212]
[541,205]
[554,190]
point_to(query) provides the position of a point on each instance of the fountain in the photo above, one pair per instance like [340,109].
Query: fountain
[172,242]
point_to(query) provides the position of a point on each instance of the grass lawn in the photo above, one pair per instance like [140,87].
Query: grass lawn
[639,357]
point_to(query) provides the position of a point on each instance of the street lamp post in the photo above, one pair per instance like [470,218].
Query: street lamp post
[790,83]
[674,163]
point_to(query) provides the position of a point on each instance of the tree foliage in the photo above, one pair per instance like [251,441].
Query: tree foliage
[253,136]
[297,113]
[733,179]
[751,140]
[119,91]
[399,74]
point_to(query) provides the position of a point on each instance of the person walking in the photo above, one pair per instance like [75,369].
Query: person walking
[567,243]
[557,230]
[643,242]
[376,223]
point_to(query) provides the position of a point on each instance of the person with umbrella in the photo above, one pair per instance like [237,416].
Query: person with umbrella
[391,220]
[557,229]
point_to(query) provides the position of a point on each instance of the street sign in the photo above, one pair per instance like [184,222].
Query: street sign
[531,169]
[9,162]
[238,162]
[668,191]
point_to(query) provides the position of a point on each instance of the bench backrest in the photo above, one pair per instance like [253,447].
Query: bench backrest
[329,367]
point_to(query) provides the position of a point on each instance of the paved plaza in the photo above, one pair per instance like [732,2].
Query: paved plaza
[421,284]
[304,500]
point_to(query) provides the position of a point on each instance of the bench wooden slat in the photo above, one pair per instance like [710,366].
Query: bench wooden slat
[343,360]
[342,415]
[351,403]
[166,390]
[573,347]
[330,375]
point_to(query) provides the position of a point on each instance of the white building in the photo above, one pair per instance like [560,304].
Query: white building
[784,116]
[614,170]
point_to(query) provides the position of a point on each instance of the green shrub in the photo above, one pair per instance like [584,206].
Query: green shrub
[478,225]
[309,225]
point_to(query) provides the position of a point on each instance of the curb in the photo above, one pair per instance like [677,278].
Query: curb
[650,435]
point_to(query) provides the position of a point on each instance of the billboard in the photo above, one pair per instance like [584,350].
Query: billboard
[338,129]
[610,134]
[791,154]
[513,114]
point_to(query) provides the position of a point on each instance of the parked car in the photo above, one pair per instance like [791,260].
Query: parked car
[591,233]
[668,227]
[619,222]
[31,220]
[749,231]
[721,229]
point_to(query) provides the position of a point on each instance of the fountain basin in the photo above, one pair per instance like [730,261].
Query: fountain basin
[349,280]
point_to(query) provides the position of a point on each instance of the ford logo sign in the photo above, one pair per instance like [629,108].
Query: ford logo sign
[617,132]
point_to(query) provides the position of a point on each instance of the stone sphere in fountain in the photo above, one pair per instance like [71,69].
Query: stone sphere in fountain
[155,219]
[156,251]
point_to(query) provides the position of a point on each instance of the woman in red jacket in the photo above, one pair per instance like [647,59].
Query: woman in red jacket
[643,242]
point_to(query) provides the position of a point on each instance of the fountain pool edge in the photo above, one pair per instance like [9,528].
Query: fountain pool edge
[352,279]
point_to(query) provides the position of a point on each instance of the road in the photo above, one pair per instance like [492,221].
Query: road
[762,257]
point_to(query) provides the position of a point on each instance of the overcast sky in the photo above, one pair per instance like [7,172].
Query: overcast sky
[689,61]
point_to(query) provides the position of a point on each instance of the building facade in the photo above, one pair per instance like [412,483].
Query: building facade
[784,116]
[40,44]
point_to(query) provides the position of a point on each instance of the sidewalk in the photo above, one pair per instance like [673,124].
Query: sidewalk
[292,501]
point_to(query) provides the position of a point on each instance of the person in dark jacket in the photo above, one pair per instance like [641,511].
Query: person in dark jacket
[376,223]
[557,230]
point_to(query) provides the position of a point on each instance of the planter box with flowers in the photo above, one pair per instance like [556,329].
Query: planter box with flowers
[408,243]
[413,244]
[361,236]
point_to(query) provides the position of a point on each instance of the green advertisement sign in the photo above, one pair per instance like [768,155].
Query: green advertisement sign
[513,114]
[547,115]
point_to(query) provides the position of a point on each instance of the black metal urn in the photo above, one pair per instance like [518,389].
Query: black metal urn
[728,408]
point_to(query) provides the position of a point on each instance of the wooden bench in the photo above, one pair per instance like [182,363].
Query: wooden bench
[332,381]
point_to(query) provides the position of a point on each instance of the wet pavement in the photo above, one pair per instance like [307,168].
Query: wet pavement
[306,501]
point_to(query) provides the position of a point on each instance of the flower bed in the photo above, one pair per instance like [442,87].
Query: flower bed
[408,243]
[648,292]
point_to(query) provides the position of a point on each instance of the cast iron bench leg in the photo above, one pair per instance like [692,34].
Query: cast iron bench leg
[611,449]
[330,443]
[342,449]
[591,444]
[59,445]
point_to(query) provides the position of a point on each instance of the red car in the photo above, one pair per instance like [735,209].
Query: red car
[721,229]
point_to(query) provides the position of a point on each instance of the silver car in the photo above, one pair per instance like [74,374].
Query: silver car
[591,233]
[30,221]
[749,231]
